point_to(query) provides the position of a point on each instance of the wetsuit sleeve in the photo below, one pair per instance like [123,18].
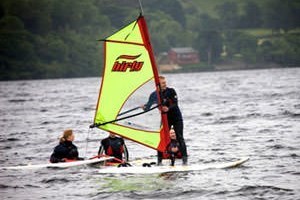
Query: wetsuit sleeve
[101,148]
[73,152]
[152,100]
[122,141]
[173,98]
[54,159]
[58,154]
[126,154]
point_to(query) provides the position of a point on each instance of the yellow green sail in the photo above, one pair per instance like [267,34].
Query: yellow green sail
[129,65]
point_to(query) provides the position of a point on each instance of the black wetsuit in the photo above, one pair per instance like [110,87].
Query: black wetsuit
[169,99]
[168,153]
[114,146]
[64,150]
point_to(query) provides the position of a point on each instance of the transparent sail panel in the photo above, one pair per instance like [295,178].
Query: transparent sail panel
[149,121]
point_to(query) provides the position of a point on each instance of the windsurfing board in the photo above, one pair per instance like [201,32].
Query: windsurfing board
[60,165]
[166,169]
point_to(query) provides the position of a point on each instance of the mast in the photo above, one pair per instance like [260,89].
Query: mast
[146,38]
[141,7]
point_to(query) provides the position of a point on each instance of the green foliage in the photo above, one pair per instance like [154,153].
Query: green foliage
[228,13]
[238,43]
[282,14]
[169,32]
[2,10]
[58,38]
[209,41]
[209,45]
[50,38]
[11,23]
[252,16]
[284,50]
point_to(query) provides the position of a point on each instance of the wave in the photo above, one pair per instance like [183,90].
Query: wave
[291,114]
[9,140]
[56,180]
[250,188]
[206,114]
[2,186]
[19,100]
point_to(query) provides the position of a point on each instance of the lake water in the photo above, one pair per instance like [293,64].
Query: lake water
[227,115]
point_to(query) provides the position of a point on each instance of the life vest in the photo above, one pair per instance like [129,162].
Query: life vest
[115,148]
[167,154]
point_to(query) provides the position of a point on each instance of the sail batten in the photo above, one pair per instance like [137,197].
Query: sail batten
[128,72]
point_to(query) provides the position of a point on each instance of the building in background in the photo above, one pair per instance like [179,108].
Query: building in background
[183,56]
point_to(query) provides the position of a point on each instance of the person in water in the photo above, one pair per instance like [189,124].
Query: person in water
[66,150]
[114,146]
[173,147]
[170,107]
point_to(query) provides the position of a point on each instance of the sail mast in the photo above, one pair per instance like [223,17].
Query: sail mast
[145,35]
[141,7]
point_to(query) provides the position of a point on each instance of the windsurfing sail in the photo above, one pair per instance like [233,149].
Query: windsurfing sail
[130,75]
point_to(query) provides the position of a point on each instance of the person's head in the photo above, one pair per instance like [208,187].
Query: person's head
[112,135]
[67,136]
[162,82]
[172,134]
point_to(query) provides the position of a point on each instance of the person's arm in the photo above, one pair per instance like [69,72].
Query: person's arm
[101,149]
[173,97]
[152,100]
[57,155]
[73,153]
[126,154]
[53,159]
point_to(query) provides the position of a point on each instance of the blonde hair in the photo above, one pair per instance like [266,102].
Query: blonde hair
[162,77]
[67,133]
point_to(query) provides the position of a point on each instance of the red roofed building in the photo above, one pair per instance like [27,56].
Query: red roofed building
[183,55]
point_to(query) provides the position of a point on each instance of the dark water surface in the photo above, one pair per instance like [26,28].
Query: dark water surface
[227,115]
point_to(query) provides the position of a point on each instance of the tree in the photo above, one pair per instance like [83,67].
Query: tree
[241,43]
[282,14]
[172,8]
[18,56]
[11,23]
[34,14]
[2,10]
[252,17]
[209,44]
[228,15]
[209,41]
[286,50]
[165,32]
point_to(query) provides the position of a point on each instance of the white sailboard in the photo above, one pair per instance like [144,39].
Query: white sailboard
[167,169]
[59,165]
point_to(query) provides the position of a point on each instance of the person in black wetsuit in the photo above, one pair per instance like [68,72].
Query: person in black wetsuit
[66,150]
[114,146]
[173,147]
[170,106]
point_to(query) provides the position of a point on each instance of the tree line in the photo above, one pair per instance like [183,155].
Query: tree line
[230,33]
[59,38]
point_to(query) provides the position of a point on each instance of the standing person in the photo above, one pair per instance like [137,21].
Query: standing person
[114,146]
[170,106]
[66,151]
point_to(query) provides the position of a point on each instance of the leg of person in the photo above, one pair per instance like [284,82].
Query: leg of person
[178,128]
[172,158]
[159,158]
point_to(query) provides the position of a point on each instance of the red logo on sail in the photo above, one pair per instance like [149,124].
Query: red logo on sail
[133,66]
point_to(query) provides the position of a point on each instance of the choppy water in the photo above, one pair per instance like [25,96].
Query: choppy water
[227,115]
